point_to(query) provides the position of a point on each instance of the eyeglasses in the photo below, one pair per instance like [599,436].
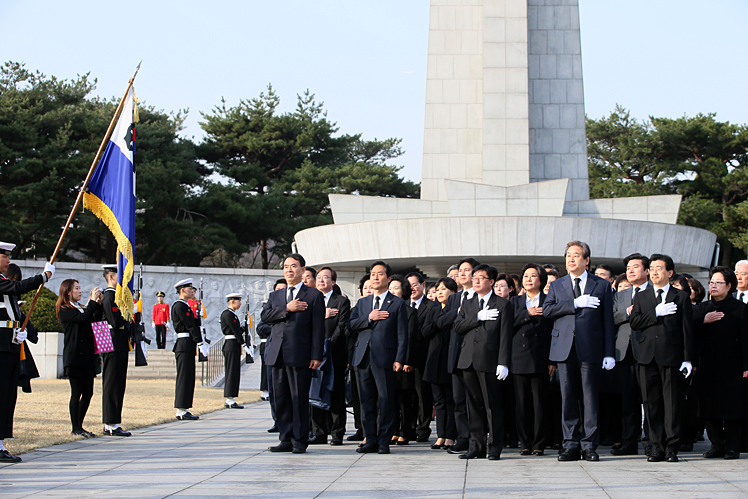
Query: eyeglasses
[717,283]
[479,278]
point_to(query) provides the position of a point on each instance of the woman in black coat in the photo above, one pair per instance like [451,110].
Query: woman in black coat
[405,427]
[78,355]
[436,372]
[531,369]
[722,373]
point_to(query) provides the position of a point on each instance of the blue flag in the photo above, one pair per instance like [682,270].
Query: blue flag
[110,196]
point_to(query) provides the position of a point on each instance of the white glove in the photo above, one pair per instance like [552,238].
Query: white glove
[665,309]
[488,315]
[247,350]
[21,336]
[153,324]
[502,372]
[204,349]
[586,301]
[688,367]
[609,363]
[48,267]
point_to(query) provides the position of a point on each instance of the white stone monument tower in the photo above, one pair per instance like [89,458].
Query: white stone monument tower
[504,175]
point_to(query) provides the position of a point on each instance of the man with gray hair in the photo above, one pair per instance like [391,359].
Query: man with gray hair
[741,272]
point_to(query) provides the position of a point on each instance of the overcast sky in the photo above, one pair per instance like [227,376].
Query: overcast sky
[367,60]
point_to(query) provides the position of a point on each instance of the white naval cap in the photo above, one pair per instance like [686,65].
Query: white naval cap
[110,267]
[183,284]
[6,248]
[233,296]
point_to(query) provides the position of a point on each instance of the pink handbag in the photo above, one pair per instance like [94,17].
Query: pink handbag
[102,337]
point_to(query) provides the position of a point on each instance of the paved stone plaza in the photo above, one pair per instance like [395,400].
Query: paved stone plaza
[225,454]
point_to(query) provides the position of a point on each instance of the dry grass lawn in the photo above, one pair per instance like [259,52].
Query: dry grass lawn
[42,417]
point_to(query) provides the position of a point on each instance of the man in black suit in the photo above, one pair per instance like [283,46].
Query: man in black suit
[637,274]
[337,313]
[582,341]
[114,364]
[662,318]
[486,325]
[417,352]
[295,347]
[381,321]
[446,320]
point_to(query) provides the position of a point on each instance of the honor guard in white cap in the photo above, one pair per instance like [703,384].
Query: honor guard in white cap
[232,349]
[11,338]
[188,339]
[114,364]
[160,320]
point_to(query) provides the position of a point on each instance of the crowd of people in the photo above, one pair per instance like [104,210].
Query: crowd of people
[533,361]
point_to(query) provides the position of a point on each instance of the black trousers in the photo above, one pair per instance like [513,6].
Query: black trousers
[662,389]
[631,401]
[232,361]
[291,399]
[185,385]
[81,392]
[724,434]
[377,384]
[485,412]
[10,370]
[332,422]
[113,384]
[407,411]
[461,414]
[263,371]
[580,394]
[425,404]
[161,336]
[532,392]
[355,400]
[444,404]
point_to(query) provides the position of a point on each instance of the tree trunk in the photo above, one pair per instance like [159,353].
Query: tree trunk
[264,253]
[726,250]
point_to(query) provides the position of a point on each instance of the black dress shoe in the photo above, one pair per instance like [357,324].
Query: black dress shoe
[297,449]
[403,442]
[647,450]
[538,453]
[274,429]
[590,455]
[569,455]
[437,446]
[525,452]
[368,448]
[473,454]
[233,406]
[335,441]
[494,456]
[185,417]
[318,440]
[384,449]
[119,432]
[89,434]
[671,457]
[626,450]
[711,454]
[282,447]
[731,454]
[655,457]
[458,449]
[356,437]
[422,438]
[7,457]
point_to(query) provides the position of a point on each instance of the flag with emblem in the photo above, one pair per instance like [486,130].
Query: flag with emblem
[110,196]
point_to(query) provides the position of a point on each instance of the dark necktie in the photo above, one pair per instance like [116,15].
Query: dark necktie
[289,298]
[376,303]
[480,304]
[741,296]
[659,296]
[577,289]
[413,304]
[462,298]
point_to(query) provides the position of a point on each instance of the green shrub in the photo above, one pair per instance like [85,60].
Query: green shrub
[43,317]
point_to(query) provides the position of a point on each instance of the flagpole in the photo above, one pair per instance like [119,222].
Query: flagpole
[91,170]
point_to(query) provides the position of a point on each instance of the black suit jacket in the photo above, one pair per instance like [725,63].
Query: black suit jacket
[446,320]
[418,345]
[230,326]
[300,335]
[668,340]
[386,339]
[335,327]
[531,345]
[79,345]
[435,370]
[621,302]
[485,344]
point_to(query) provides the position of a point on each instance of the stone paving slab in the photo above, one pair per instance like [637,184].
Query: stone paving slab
[224,454]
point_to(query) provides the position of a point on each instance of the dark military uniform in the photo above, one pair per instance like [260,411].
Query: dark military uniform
[185,348]
[114,370]
[232,352]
